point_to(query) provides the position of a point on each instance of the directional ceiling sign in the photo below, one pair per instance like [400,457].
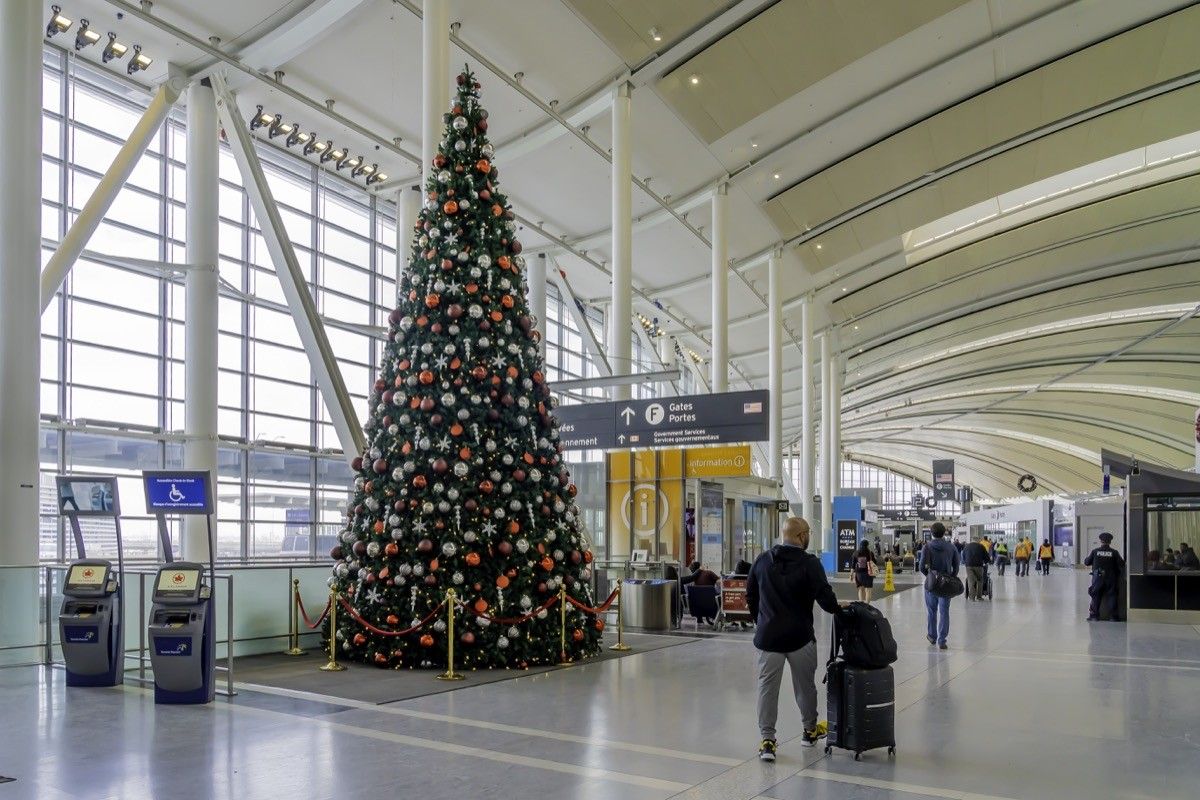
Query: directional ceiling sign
[668,422]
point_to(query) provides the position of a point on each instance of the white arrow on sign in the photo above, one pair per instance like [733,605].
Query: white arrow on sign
[628,414]
[621,438]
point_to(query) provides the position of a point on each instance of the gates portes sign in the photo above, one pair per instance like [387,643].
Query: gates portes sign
[668,422]
[943,478]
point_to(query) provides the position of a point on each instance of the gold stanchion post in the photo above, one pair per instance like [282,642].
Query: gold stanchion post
[563,661]
[294,634]
[450,674]
[333,665]
[620,646]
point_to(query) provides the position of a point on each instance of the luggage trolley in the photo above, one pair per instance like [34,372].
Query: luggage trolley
[734,607]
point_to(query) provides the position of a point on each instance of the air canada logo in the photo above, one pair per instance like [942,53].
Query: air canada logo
[89,573]
[178,578]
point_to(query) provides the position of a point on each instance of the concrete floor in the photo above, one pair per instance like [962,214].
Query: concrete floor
[1029,702]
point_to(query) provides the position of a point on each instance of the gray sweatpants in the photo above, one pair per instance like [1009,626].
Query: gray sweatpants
[803,663]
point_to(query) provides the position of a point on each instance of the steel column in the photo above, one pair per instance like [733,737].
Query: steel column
[435,78]
[200,320]
[299,299]
[537,297]
[808,443]
[620,342]
[408,206]
[720,290]
[826,443]
[775,361]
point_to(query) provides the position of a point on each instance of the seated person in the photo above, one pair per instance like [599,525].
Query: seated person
[1187,559]
[693,571]
[1154,562]
[909,560]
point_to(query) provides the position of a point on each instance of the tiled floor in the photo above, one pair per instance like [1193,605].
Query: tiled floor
[1029,702]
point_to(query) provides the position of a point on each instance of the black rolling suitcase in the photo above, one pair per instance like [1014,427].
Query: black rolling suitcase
[861,706]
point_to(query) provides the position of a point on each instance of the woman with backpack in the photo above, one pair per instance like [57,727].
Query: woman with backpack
[864,571]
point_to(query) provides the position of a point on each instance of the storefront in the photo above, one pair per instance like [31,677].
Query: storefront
[684,505]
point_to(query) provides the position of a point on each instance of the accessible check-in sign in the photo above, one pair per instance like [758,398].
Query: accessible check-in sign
[691,420]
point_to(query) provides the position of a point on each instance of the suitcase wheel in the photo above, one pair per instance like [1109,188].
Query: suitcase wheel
[828,749]
[892,751]
[858,756]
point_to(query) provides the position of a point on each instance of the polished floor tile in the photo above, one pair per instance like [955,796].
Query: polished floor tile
[1030,701]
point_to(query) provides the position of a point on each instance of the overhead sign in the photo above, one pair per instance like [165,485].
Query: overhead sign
[718,462]
[729,417]
[178,492]
[782,506]
[943,478]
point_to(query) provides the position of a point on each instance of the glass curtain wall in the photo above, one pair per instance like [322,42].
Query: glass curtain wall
[112,344]
[896,491]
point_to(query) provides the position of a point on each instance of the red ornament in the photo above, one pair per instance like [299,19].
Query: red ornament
[505,548]
[454,311]
[502,581]
[480,606]
[432,299]
[427,404]
[357,464]
[391,549]
[380,466]
[483,166]
[467,638]
[426,377]
[478,373]
[440,466]
[577,635]
[518,476]
[599,624]
[450,207]
[497,210]
[419,481]
[485,486]
[547,563]
[359,639]
[426,640]
[472,559]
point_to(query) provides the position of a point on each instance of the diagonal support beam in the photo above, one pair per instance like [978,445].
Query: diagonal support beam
[291,278]
[590,342]
[110,185]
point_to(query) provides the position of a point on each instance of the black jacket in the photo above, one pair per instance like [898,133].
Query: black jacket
[975,555]
[781,589]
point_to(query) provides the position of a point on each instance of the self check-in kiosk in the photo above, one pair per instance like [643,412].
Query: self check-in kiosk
[181,631]
[89,620]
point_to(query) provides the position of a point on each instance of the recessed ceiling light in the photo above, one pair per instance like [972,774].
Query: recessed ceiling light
[843,288]
[855,327]
[754,145]
[695,79]
[655,34]
[775,176]
[818,246]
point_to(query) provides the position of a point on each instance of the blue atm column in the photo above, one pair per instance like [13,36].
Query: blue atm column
[89,620]
[182,629]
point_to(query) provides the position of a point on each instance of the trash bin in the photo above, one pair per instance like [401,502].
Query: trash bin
[647,603]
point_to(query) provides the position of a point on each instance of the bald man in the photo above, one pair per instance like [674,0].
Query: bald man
[783,584]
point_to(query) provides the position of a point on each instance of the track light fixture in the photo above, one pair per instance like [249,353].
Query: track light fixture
[331,153]
[113,49]
[311,145]
[350,164]
[58,23]
[378,177]
[139,62]
[279,127]
[296,136]
[260,119]
[362,169]
[85,36]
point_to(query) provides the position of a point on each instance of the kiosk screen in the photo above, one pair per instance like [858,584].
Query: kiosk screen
[177,582]
[87,575]
[87,496]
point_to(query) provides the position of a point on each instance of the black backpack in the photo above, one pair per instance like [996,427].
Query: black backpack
[864,637]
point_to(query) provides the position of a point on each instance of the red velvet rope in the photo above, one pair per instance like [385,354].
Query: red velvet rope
[600,609]
[525,617]
[311,625]
[355,616]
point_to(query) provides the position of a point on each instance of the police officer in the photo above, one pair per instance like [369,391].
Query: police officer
[1107,567]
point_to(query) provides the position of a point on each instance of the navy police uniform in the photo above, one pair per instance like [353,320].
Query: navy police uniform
[1107,568]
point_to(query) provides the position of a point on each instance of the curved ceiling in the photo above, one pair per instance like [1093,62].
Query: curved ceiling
[993,202]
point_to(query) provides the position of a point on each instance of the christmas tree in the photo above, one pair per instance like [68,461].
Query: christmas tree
[463,485]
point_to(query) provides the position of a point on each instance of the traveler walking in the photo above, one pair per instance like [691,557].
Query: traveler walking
[939,556]
[784,583]
[1045,556]
[1107,566]
[864,571]
[1022,553]
[975,558]
[1000,555]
